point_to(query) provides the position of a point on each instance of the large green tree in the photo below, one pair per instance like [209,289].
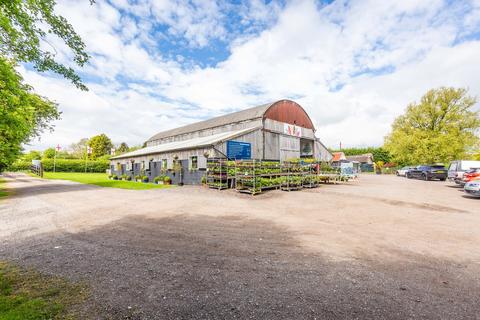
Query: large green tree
[25,28]
[24,114]
[440,128]
[122,148]
[101,145]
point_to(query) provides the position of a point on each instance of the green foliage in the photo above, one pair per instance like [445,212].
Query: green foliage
[68,165]
[441,128]
[3,193]
[24,114]
[122,148]
[79,148]
[379,153]
[48,153]
[101,146]
[24,29]
[64,165]
[160,178]
[32,155]
[101,179]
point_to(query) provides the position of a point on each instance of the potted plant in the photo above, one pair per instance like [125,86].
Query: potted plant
[124,177]
[144,179]
[167,180]
[159,179]
[128,178]
[138,178]
[204,180]
[378,167]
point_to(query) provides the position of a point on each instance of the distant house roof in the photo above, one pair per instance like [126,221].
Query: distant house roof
[362,158]
[338,156]
[186,144]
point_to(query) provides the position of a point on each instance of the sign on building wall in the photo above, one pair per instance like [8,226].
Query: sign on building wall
[292,130]
[239,150]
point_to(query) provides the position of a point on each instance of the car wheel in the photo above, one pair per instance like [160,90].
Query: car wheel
[408,176]
[425,177]
[443,179]
[397,173]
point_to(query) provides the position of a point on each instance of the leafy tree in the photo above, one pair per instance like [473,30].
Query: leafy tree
[78,149]
[32,155]
[122,148]
[48,153]
[24,26]
[441,128]
[24,114]
[101,145]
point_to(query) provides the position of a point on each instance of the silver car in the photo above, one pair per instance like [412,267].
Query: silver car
[472,188]
[403,171]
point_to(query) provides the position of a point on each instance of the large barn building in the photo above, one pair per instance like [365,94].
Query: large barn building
[276,131]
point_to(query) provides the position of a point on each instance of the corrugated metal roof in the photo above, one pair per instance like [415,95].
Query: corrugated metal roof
[186,144]
[247,114]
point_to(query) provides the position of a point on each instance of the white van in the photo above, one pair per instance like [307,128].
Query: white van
[458,167]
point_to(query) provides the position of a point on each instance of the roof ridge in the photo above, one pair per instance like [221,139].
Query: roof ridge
[237,116]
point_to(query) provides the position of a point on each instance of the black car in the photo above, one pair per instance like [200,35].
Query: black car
[428,172]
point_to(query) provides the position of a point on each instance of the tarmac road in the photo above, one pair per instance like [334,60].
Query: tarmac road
[381,247]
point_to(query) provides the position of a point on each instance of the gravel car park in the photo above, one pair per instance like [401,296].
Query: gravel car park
[376,248]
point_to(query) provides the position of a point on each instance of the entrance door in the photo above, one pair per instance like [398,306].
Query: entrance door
[289,147]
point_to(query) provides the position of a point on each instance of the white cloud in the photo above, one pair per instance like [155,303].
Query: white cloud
[354,66]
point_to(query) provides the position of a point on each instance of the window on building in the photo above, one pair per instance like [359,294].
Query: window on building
[193,163]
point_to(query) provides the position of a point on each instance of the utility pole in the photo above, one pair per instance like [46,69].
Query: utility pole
[57,148]
[89,151]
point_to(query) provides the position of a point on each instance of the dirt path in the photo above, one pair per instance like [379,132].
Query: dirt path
[379,247]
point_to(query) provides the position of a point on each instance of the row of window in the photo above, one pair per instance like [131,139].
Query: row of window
[145,165]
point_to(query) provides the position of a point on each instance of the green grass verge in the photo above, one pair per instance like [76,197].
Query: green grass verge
[27,295]
[3,193]
[102,180]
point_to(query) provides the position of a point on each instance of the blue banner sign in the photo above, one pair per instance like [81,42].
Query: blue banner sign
[237,150]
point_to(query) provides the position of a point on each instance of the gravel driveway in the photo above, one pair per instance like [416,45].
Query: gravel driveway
[376,248]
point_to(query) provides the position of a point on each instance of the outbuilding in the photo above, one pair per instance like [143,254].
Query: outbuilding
[275,131]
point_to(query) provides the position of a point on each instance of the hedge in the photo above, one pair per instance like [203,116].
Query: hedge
[64,165]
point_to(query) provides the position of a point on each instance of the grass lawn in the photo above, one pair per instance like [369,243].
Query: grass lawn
[3,193]
[26,294]
[101,179]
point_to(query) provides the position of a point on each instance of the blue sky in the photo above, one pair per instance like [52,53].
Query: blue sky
[353,65]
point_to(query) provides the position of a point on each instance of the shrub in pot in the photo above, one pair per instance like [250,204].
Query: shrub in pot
[138,178]
[167,180]
[144,179]
[159,179]
[128,178]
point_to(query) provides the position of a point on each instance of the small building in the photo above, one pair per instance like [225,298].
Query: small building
[338,158]
[365,161]
[276,131]
[366,158]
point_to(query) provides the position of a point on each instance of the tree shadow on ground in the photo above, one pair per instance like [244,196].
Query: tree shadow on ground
[197,267]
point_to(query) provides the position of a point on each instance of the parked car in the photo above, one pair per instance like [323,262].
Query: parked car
[428,172]
[472,188]
[469,176]
[457,169]
[403,171]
